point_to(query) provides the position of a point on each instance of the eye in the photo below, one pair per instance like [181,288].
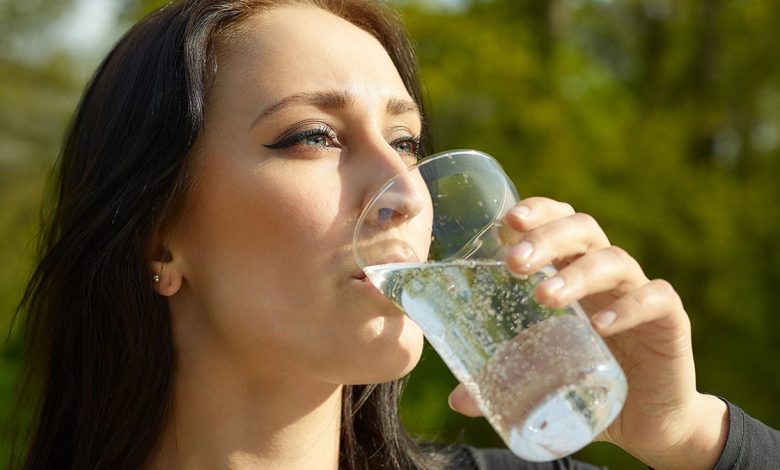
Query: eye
[321,136]
[408,146]
[316,140]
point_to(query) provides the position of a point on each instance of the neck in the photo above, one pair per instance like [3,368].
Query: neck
[221,419]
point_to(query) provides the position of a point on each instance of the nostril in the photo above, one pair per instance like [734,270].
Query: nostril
[396,203]
[385,214]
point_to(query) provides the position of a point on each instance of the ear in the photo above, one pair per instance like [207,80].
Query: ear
[166,274]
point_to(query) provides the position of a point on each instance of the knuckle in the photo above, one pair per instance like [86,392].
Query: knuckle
[595,233]
[567,208]
[656,296]
[665,290]
[534,201]
[585,219]
[618,254]
[645,298]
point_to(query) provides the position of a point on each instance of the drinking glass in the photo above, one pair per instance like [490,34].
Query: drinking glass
[432,241]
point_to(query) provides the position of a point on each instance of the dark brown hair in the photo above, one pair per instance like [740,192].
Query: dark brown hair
[101,356]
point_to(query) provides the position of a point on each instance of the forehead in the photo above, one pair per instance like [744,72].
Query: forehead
[303,49]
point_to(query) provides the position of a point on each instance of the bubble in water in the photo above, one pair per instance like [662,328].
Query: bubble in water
[416,285]
[489,330]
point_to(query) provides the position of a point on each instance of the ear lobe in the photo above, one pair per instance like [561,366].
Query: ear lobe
[165,275]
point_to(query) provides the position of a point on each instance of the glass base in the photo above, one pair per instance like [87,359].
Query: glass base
[564,423]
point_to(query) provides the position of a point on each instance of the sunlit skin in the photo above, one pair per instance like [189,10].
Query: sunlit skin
[270,314]
[665,422]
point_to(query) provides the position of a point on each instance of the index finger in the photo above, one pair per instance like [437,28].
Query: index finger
[535,211]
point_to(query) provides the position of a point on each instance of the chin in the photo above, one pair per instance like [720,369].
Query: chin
[389,356]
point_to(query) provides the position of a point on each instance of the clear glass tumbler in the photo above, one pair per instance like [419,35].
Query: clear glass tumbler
[431,241]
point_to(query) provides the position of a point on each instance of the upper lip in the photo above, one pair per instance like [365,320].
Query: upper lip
[399,257]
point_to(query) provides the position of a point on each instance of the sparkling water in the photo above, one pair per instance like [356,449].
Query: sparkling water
[542,376]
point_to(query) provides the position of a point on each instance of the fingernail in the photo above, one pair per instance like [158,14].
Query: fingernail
[522,251]
[520,212]
[450,400]
[604,319]
[554,284]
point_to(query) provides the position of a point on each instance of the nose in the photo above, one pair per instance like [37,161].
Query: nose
[401,198]
[395,205]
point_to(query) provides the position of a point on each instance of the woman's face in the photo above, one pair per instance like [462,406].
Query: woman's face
[306,118]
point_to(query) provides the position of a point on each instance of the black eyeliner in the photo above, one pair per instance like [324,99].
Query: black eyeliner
[290,140]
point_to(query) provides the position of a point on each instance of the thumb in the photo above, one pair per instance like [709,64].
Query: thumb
[463,403]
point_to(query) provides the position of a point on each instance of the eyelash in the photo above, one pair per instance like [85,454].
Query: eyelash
[414,140]
[298,137]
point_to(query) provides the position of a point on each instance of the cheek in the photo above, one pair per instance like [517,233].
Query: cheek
[256,248]
[256,241]
[272,215]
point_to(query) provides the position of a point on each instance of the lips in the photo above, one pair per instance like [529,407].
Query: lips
[381,250]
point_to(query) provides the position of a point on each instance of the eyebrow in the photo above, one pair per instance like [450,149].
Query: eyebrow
[333,100]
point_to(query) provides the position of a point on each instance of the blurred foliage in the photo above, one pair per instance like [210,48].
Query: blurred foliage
[661,118]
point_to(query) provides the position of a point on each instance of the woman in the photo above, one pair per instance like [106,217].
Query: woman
[197,304]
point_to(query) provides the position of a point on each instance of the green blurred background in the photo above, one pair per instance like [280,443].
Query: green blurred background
[661,118]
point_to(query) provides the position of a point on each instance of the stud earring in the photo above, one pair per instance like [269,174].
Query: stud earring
[156,278]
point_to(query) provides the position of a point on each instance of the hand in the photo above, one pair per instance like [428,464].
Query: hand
[664,421]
